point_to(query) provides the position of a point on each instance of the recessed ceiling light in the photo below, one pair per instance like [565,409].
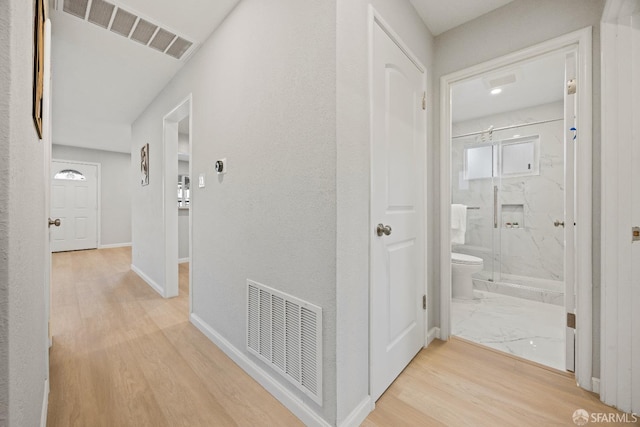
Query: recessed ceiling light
[496,91]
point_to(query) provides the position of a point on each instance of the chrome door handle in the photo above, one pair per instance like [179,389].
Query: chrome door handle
[558,223]
[55,222]
[383,229]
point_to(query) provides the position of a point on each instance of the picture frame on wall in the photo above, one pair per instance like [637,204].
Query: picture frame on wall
[144,164]
[38,64]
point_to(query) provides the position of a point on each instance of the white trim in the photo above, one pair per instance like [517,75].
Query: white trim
[432,335]
[191,203]
[292,402]
[47,149]
[45,404]
[376,18]
[620,206]
[98,195]
[148,279]
[183,260]
[595,385]
[581,38]
[359,413]
[115,245]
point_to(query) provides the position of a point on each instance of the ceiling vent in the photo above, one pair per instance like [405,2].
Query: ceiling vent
[130,25]
[100,13]
[502,79]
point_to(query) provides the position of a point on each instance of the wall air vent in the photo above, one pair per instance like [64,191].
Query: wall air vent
[130,25]
[286,333]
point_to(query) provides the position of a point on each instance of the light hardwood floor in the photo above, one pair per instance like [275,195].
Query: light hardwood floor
[457,383]
[123,356]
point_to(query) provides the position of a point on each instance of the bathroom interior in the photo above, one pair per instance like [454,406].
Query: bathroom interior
[508,203]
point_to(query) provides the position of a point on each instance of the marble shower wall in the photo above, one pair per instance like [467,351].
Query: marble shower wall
[536,248]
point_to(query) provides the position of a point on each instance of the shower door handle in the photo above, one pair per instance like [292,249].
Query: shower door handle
[495,206]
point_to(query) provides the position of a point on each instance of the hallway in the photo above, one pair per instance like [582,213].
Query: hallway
[123,356]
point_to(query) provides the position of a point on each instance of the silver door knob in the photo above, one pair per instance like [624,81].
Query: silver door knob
[383,229]
[55,222]
[558,223]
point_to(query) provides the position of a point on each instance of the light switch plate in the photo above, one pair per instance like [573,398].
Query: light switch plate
[201,182]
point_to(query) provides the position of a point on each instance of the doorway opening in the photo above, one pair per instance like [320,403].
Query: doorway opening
[516,204]
[177,198]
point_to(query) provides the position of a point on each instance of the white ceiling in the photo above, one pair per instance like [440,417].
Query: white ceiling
[103,81]
[443,15]
[539,82]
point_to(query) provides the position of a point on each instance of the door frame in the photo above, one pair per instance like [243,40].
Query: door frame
[583,192]
[169,197]
[98,193]
[619,371]
[375,18]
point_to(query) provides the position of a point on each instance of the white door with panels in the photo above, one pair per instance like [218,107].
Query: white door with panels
[74,203]
[397,211]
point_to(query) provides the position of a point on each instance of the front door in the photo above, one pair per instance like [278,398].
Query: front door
[74,201]
[397,211]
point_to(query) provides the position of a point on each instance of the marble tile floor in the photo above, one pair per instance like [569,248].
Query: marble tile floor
[529,329]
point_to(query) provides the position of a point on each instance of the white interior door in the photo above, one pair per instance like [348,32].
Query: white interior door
[570,139]
[74,201]
[397,203]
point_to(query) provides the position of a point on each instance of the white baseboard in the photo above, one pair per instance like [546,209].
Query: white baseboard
[432,335]
[183,260]
[292,402]
[358,415]
[115,245]
[148,279]
[595,385]
[45,404]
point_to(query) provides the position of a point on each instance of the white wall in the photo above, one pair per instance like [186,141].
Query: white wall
[518,25]
[23,352]
[353,142]
[263,97]
[115,191]
[183,142]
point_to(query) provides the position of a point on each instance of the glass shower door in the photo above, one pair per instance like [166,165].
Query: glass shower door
[476,186]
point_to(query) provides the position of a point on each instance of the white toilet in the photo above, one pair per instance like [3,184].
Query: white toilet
[462,267]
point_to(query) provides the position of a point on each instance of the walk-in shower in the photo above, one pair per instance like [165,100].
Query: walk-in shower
[510,178]
[508,166]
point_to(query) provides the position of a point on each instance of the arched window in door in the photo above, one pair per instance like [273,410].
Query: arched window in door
[70,175]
